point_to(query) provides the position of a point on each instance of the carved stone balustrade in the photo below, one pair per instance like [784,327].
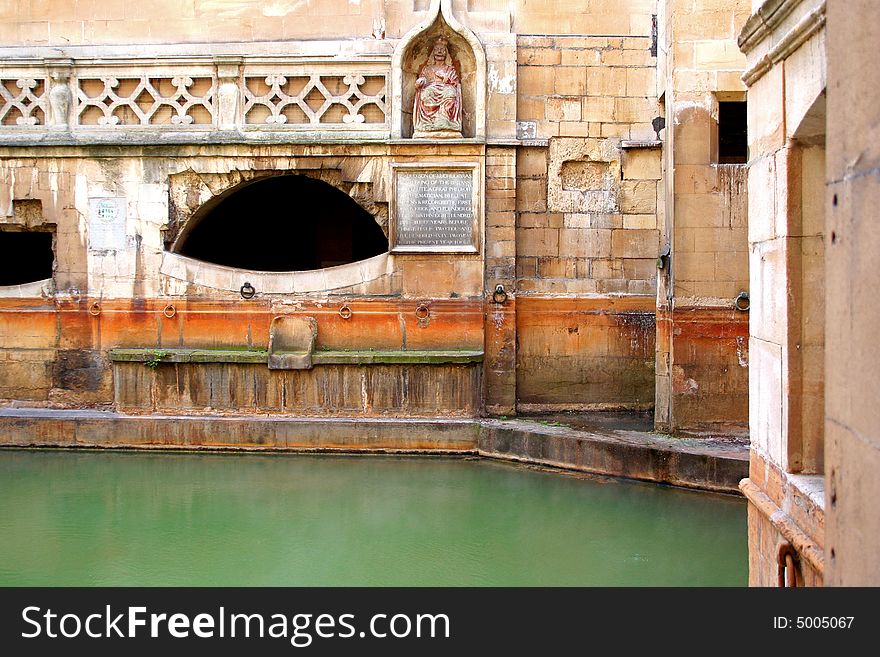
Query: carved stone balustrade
[205,98]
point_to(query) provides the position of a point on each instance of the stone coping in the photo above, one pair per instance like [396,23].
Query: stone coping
[42,288]
[632,144]
[231,279]
[640,455]
[319,357]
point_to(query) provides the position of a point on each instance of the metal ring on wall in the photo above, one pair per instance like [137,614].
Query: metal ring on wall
[247,291]
[786,575]
[422,312]
[742,302]
[169,311]
[345,312]
[95,309]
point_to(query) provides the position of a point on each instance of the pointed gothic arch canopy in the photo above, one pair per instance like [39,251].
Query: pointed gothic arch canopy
[467,54]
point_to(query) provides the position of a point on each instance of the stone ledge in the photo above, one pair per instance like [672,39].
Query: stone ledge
[396,357]
[646,456]
[188,356]
[632,144]
[637,455]
[805,546]
[319,357]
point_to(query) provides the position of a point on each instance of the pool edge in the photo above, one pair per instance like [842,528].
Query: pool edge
[635,455]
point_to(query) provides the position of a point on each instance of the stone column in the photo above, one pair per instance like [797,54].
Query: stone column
[500,357]
[60,94]
[228,93]
[852,242]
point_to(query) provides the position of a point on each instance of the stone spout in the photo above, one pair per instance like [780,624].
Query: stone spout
[292,342]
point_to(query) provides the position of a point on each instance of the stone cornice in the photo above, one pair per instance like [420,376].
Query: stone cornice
[764,21]
[268,51]
[808,26]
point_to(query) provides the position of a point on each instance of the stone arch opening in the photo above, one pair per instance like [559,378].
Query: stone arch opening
[27,245]
[282,223]
[28,256]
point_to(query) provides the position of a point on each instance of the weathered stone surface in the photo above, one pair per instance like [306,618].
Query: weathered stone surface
[291,342]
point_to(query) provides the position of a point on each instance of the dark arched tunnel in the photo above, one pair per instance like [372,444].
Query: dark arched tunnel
[283,223]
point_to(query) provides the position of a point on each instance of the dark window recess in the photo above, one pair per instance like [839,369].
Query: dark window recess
[733,141]
[284,223]
[25,257]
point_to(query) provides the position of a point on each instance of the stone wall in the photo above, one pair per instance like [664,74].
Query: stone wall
[702,352]
[785,46]
[576,200]
[57,22]
[585,353]
[852,416]
[55,348]
[587,213]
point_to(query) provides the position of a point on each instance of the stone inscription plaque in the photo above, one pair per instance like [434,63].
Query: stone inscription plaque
[434,211]
[106,224]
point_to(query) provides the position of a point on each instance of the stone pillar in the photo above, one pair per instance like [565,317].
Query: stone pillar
[60,95]
[852,414]
[786,128]
[500,244]
[228,94]
[702,342]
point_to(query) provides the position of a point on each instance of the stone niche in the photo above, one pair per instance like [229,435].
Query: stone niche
[467,56]
[583,176]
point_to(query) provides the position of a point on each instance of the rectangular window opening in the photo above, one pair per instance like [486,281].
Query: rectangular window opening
[733,142]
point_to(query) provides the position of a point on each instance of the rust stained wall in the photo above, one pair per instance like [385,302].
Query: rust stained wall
[710,373]
[765,539]
[580,353]
[56,352]
[325,390]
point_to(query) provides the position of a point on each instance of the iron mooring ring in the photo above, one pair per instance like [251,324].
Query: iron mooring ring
[786,575]
[169,311]
[742,302]
[95,309]
[345,312]
[422,312]
[247,291]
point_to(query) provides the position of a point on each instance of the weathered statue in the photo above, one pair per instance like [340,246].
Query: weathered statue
[437,108]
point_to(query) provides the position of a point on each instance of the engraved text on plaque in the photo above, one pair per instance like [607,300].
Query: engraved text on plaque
[434,211]
[106,224]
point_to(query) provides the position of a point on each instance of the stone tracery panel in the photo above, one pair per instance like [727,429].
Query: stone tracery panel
[337,98]
[308,98]
[145,100]
[22,101]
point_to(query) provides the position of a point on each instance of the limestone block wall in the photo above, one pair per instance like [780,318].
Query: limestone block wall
[587,222]
[852,453]
[500,267]
[141,295]
[786,514]
[168,21]
[576,193]
[785,46]
[702,347]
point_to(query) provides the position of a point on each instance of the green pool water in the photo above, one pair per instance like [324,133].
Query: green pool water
[124,518]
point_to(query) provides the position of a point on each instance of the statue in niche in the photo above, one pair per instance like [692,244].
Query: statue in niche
[437,108]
